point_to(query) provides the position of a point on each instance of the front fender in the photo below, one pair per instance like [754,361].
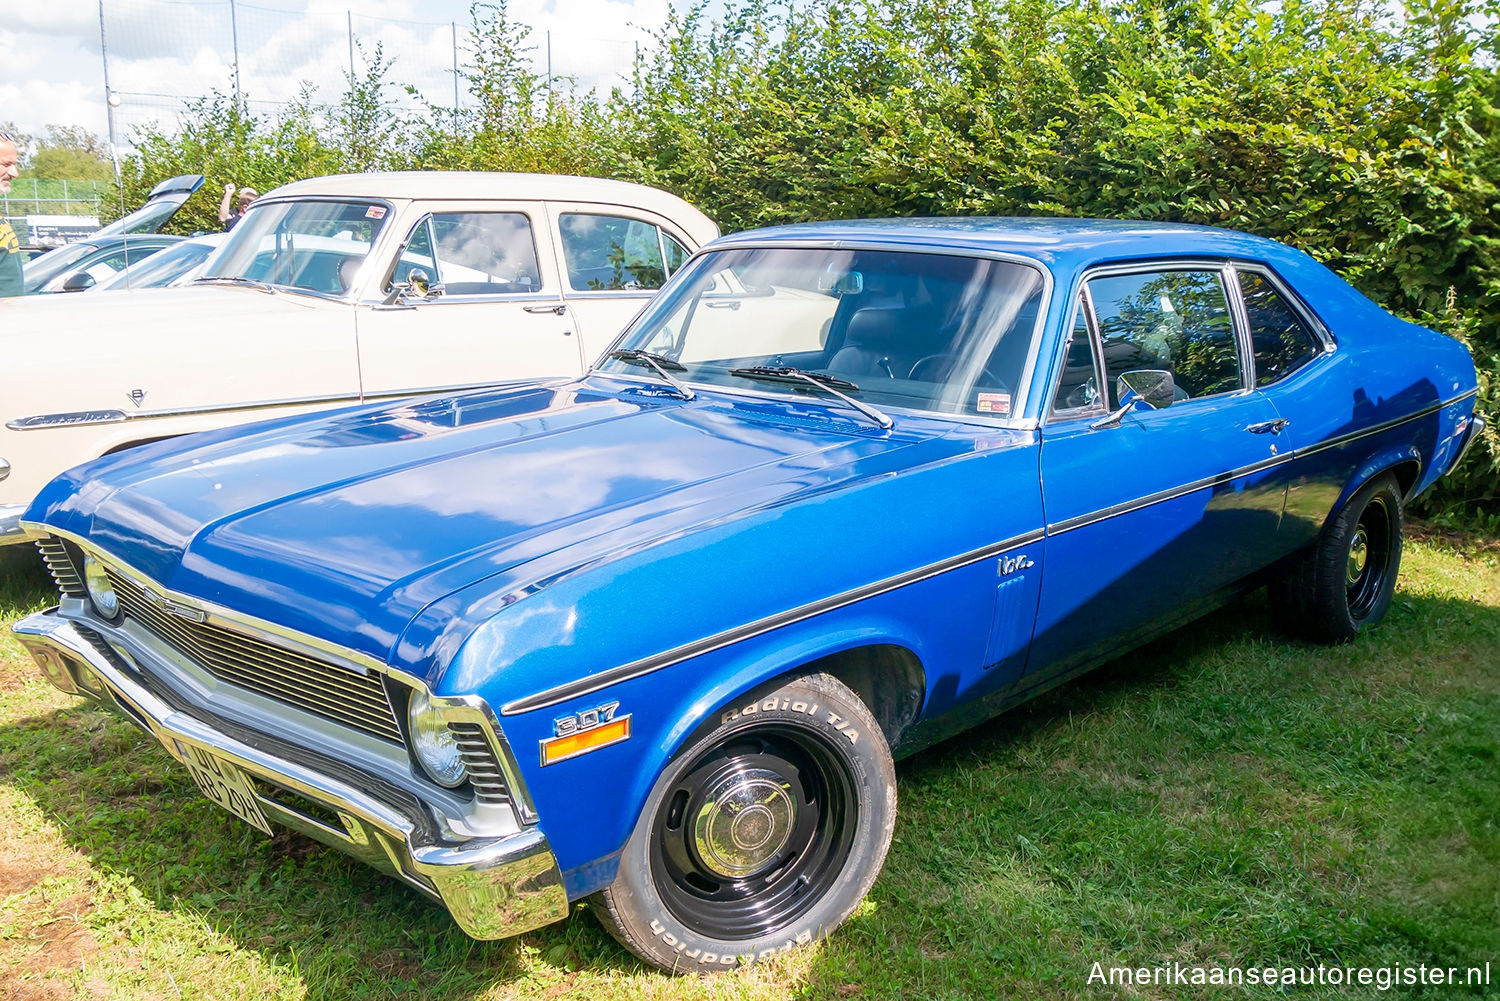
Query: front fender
[588,805]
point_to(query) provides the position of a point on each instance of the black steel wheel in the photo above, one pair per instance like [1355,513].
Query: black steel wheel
[1344,583]
[764,833]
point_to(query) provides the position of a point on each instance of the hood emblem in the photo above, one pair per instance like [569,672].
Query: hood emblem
[137,396]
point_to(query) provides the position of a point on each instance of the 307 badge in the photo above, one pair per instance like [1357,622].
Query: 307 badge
[579,733]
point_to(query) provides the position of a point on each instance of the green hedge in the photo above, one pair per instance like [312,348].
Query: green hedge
[1361,132]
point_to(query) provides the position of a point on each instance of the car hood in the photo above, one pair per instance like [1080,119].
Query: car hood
[345,526]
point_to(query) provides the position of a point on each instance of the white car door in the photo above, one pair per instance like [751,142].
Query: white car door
[494,311]
[612,259]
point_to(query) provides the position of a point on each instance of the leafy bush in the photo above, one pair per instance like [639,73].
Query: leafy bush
[1361,132]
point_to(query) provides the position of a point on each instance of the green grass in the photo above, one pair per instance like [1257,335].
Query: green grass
[1219,797]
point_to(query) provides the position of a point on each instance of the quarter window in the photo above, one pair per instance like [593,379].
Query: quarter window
[1172,320]
[1282,341]
[606,253]
[473,253]
[1078,388]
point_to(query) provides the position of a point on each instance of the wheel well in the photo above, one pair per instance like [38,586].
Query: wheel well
[1406,474]
[889,680]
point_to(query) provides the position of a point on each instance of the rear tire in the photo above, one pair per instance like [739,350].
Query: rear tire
[762,834]
[1344,583]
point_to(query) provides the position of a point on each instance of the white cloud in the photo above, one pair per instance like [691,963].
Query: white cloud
[162,53]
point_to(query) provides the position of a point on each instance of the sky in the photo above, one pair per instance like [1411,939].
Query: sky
[160,51]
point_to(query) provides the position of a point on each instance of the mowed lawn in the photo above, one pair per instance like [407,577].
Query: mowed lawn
[1219,797]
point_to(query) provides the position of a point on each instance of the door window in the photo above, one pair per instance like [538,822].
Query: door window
[1281,340]
[1177,321]
[473,253]
[606,253]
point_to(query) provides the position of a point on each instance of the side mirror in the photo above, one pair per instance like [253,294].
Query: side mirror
[78,281]
[1153,386]
[417,287]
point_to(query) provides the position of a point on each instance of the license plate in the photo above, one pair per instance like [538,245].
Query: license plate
[223,783]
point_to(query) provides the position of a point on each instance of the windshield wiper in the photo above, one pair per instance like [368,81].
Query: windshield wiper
[659,362]
[231,280]
[822,380]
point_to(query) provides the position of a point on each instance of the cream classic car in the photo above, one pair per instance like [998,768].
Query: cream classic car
[339,290]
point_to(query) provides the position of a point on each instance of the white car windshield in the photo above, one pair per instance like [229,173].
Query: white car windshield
[926,331]
[313,245]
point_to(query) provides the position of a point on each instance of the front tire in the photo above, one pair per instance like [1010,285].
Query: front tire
[762,834]
[1343,585]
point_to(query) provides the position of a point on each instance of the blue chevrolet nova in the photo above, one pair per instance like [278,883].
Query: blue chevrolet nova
[655,635]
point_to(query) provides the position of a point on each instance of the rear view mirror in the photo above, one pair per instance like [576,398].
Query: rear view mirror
[851,283]
[1153,386]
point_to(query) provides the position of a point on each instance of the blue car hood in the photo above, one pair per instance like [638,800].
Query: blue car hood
[345,526]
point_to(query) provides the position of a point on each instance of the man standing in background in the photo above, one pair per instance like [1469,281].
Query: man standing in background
[228,218]
[10,244]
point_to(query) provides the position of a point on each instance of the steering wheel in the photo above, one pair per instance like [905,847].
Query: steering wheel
[940,365]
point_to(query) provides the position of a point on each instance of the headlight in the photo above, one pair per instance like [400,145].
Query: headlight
[101,591]
[433,742]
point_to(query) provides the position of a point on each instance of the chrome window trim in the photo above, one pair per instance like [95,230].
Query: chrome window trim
[697,648]
[611,293]
[426,220]
[1320,334]
[1219,266]
[1023,380]
[562,251]
[1083,304]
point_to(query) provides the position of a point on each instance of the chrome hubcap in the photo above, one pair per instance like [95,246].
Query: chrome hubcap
[1359,553]
[744,822]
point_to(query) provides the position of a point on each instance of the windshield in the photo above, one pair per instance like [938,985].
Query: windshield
[318,246]
[925,331]
[159,269]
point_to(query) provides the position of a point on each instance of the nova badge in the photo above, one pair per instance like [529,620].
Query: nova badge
[172,607]
[580,733]
[1010,564]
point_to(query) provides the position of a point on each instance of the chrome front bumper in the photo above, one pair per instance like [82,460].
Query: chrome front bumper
[493,887]
[10,525]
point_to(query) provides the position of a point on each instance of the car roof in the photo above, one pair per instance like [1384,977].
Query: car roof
[463,184]
[1060,243]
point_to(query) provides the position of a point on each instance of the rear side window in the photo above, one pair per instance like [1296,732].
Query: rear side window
[1282,341]
[606,253]
[1177,321]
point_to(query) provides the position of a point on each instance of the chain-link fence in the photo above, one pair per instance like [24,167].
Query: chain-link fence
[30,196]
[159,54]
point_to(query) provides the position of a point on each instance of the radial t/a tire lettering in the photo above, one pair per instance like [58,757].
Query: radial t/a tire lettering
[762,834]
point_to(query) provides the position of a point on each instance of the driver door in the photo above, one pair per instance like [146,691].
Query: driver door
[1150,516]
[494,312]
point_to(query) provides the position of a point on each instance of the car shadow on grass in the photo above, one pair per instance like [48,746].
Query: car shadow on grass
[964,905]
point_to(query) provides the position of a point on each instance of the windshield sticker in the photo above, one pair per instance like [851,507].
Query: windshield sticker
[994,403]
[375,212]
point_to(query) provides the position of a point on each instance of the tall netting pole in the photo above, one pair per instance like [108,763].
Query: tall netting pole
[454,26]
[109,106]
[234,41]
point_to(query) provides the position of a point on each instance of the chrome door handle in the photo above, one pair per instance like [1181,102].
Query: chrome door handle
[557,310]
[1269,427]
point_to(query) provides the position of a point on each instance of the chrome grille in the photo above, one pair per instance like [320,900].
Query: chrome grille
[330,691]
[60,566]
[484,771]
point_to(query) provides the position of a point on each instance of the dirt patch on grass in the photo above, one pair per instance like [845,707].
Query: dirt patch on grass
[1465,544]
